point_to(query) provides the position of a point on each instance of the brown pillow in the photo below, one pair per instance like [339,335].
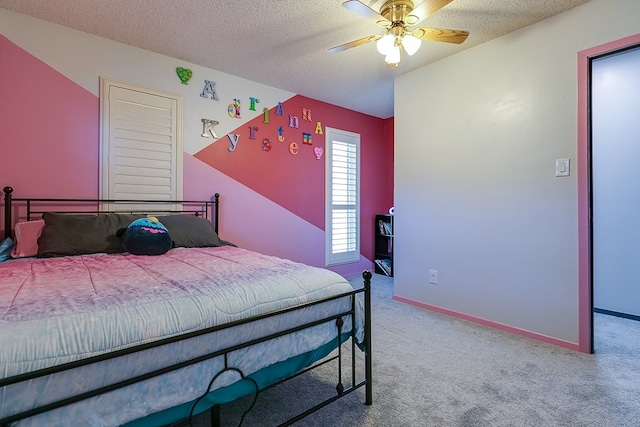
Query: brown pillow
[67,234]
[188,231]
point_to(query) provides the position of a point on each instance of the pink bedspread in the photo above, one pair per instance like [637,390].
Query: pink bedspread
[39,288]
[55,310]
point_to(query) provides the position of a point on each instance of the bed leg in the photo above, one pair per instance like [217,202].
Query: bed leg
[366,275]
[215,416]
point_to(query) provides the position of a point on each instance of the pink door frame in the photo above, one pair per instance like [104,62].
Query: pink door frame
[585,303]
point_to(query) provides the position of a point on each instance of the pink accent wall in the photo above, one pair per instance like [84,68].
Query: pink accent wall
[585,303]
[297,182]
[48,129]
[262,226]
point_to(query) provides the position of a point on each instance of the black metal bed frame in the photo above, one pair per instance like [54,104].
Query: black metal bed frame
[203,208]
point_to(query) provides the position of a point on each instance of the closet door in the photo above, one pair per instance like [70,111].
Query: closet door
[141,143]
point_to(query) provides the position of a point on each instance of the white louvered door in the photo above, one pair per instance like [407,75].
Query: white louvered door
[141,155]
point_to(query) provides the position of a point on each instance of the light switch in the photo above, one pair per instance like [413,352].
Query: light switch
[562,167]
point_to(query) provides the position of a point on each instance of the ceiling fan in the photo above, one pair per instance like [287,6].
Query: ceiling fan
[397,16]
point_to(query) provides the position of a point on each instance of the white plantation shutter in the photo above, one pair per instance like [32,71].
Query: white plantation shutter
[142,143]
[343,197]
[141,156]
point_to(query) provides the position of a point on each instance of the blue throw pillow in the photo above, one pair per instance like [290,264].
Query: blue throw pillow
[145,236]
[5,249]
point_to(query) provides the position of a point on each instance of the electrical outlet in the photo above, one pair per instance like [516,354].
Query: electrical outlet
[433,277]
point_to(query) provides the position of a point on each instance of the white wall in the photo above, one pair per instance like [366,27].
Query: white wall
[476,196]
[616,194]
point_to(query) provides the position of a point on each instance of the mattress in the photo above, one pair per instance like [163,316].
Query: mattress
[60,310]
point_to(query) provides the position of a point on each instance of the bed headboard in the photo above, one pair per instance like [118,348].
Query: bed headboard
[29,208]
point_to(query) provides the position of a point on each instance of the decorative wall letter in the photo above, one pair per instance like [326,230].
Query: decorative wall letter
[252,131]
[234,138]
[306,114]
[280,134]
[207,128]
[293,121]
[266,144]
[279,110]
[306,138]
[318,128]
[252,103]
[209,90]
[293,148]
[184,74]
[234,109]
[265,111]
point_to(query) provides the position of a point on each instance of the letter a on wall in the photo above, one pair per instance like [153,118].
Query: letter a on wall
[209,90]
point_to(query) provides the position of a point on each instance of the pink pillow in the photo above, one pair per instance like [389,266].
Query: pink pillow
[26,240]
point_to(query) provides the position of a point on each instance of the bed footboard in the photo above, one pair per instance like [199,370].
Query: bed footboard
[341,391]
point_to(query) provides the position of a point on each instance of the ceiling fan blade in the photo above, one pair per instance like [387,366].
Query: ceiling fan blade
[440,35]
[353,44]
[424,10]
[366,12]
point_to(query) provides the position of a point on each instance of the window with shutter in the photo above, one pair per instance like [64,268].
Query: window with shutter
[342,219]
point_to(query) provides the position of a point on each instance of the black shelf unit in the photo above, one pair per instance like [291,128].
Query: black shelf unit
[383,241]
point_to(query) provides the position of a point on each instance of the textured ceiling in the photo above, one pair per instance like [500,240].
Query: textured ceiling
[285,43]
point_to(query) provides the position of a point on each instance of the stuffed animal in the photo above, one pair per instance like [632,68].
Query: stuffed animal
[145,236]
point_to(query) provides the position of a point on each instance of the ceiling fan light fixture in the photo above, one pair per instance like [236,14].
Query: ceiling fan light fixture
[386,43]
[411,44]
[397,16]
